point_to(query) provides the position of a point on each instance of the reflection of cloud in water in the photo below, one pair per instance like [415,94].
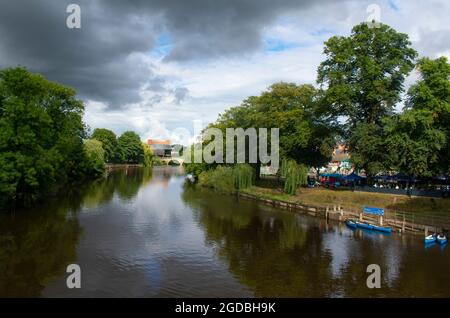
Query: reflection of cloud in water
[337,247]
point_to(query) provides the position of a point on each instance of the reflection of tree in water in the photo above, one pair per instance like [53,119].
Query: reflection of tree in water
[36,246]
[273,256]
[126,182]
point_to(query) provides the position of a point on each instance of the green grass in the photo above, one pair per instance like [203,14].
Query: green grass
[355,200]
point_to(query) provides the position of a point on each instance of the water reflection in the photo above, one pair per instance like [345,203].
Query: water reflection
[280,254]
[35,247]
[144,233]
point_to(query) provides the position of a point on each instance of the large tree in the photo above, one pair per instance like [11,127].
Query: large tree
[109,143]
[95,155]
[41,136]
[130,148]
[418,140]
[362,79]
[306,136]
[364,73]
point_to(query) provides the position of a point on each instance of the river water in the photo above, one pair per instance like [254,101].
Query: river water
[145,233]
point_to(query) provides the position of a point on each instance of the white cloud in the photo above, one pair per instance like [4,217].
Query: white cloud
[214,85]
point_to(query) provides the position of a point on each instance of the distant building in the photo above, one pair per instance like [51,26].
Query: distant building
[340,160]
[161,148]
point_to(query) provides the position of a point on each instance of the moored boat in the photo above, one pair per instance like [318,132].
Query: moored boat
[367,226]
[441,239]
[430,239]
[381,228]
[350,223]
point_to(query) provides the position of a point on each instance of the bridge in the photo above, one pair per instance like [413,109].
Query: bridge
[173,161]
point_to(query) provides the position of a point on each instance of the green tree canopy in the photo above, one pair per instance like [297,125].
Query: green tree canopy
[148,155]
[130,148]
[418,140]
[41,136]
[305,134]
[95,155]
[109,143]
[364,73]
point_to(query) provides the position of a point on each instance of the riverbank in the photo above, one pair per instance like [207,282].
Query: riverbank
[356,200]
[120,166]
[416,215]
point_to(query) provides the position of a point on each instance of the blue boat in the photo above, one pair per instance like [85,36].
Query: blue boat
[350,223]
[430,239]
[442,239]
[368,226]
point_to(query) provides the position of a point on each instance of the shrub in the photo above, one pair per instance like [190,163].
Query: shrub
[295,175]
[228,179]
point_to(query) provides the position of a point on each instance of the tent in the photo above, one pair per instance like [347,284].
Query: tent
[352,177]
[332,175]
[401,177]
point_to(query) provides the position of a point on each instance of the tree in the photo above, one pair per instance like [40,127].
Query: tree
[148,155]
[96,157]
[130,148]
[362,79]
[413,144]
[368,148]
[306,135]
[364,73]
[419,138]
[41,136]
[109,143]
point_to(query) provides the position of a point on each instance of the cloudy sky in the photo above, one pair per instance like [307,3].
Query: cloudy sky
[156,66]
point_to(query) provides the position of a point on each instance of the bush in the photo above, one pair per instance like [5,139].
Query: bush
[244,176]
[228,179]
[148,155]
[95,155]
[295,175]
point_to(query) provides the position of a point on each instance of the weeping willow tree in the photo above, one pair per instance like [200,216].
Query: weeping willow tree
[244,176]
[294,175]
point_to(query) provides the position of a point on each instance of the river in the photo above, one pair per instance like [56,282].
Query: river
[145,233]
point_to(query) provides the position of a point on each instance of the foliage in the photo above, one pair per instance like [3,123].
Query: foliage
[148,155]
[228,178]
[41,136]
[363,76]
[109,143]
[306,134]
[221,178]
[295,175]
[130,148]
[96,157]
[364,73]
[156,161]
[244,176]
[367,143]
[418,140]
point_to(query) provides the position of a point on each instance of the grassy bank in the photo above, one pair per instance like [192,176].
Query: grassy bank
[355,200]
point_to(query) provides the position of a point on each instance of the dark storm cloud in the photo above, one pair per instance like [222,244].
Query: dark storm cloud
[101,60]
